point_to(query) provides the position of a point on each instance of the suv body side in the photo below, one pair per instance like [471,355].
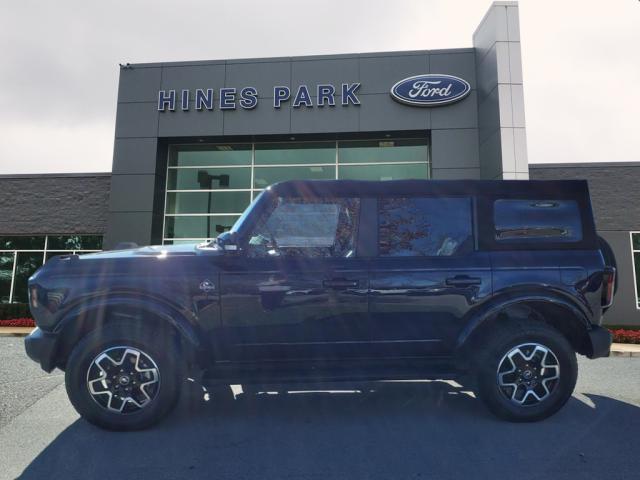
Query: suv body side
[368,305]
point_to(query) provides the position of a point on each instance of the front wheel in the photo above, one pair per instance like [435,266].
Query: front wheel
[526,371]
[121,377]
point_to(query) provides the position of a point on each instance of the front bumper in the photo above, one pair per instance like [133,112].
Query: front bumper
[600,339]
[41,347]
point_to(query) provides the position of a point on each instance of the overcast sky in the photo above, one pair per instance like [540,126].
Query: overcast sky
[59,64]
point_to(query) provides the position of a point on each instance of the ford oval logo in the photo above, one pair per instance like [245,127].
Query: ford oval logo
[430,90]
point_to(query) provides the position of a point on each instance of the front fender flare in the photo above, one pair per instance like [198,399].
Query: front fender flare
[131,303]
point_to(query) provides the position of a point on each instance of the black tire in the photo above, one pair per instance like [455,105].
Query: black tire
[505,339]
[157,346]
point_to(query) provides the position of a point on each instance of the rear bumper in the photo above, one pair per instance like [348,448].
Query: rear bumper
[600,339]
[41,347]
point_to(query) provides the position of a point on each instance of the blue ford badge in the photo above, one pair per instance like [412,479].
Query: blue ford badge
[430,90]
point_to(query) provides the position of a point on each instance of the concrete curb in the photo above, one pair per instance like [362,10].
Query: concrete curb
[15,331]
[617,349]
[625,350]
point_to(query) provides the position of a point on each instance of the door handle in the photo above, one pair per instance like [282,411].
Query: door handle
[463,281]
[340,283]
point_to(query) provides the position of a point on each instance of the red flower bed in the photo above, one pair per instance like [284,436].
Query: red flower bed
[626,336]
[18,322]
[619,335]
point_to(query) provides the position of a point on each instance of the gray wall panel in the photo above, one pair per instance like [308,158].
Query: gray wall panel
[515,62]
[517,105]
[379,74]
[488,115]
[139,84]
[455,173]
[490,152]
[137,120]
[128,227]
[324,119]
[263,76]
[487,74]
[134,155]
[455,148]
[462,114]
[263,119]
[201,76]
[513,21]
[520,152]
[507,153]
[381,112]
[505,106]
[461,65]
[190,123]
[132,193]
[493,27]
[334,71]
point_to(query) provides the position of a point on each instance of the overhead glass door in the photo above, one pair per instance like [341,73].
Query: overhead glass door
[209,186]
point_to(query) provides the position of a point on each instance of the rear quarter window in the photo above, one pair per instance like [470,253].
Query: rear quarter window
[534,221]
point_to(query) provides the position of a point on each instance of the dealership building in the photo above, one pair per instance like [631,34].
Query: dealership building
[195,142]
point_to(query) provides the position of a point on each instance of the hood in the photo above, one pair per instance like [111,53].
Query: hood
[186,249]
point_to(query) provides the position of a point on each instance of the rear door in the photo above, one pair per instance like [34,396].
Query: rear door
[427,276]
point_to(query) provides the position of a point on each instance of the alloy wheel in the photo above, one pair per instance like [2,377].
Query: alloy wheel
[528,374]
[123,379]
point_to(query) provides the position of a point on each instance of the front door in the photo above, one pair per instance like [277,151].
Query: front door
[298,290]
[427,276]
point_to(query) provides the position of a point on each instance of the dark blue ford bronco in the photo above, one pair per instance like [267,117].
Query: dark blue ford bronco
[498,283]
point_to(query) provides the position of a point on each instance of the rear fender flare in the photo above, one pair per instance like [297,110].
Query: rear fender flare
[479,317]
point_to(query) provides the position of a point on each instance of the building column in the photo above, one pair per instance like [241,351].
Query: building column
[503,143]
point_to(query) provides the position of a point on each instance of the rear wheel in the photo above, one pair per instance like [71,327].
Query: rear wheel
[123,378]
[526,372]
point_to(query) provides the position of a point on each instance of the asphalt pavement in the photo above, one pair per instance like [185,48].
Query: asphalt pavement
[419,430]
[22,381]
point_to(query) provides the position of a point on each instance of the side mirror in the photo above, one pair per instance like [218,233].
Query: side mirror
[227,241]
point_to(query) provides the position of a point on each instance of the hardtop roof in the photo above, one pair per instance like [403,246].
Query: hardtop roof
[365,188]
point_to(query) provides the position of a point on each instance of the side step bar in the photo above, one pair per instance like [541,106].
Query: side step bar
[292,373]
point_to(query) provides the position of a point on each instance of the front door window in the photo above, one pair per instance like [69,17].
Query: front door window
[297,227]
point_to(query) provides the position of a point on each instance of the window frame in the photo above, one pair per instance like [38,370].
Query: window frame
[633,266]
[473,210]
[45,250]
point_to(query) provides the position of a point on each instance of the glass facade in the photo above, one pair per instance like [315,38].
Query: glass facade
[209,186]
[21,256]
[635,251]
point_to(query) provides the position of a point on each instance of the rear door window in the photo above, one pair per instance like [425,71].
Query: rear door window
[531,221]
[424,226]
